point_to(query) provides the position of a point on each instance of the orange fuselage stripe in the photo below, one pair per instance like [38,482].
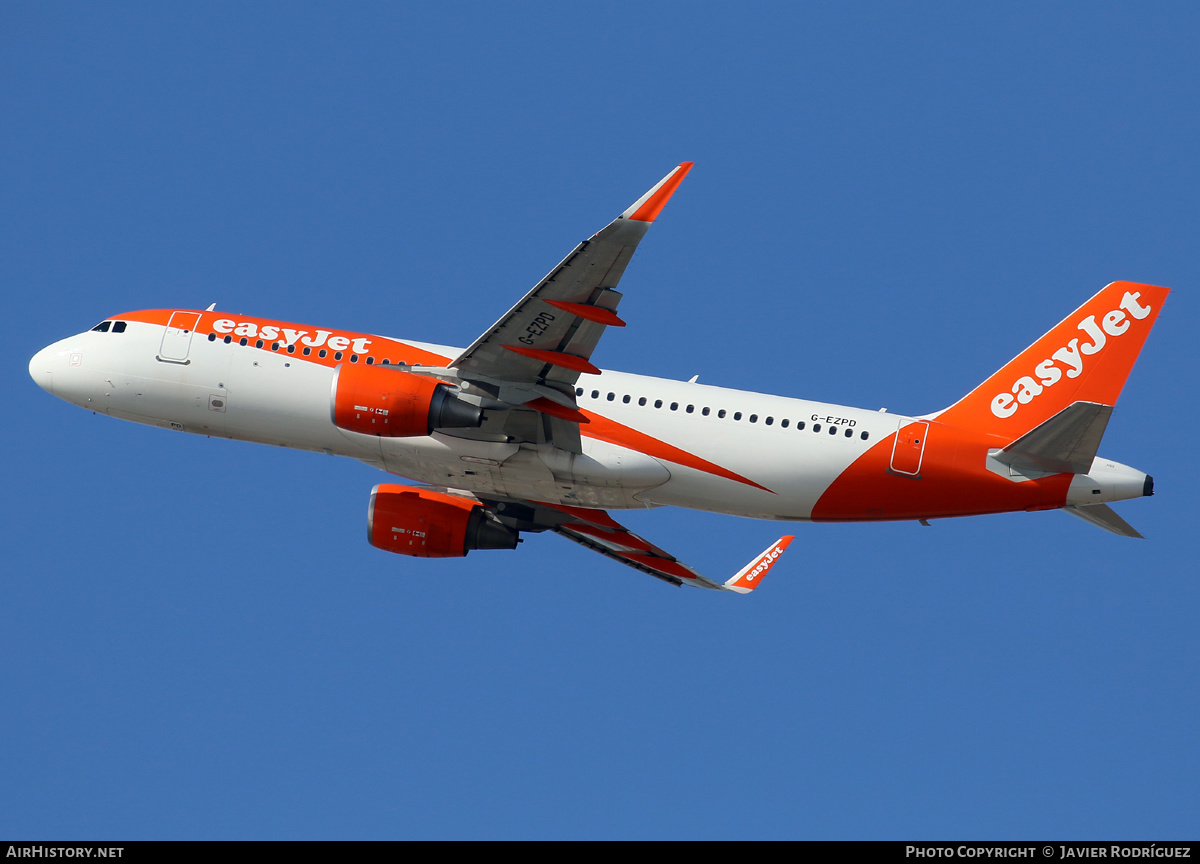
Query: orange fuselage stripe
[616,433]
[953,481]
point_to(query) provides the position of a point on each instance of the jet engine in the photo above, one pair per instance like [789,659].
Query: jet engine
[376,400]
[428,524]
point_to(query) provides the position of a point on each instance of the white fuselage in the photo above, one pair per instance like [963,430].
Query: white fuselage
[650,441]
[251,394]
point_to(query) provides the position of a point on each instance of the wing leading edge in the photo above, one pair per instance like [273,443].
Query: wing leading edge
[532,357]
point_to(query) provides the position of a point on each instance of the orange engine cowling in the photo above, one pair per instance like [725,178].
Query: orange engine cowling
[428,524]
[377,400]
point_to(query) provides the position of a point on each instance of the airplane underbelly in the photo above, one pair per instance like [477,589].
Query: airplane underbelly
[608,476]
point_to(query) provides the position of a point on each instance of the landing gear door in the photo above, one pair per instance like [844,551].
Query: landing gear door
[177,338]
[909,448]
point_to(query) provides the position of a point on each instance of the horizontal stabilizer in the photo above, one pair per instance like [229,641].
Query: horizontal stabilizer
[1104,517]
[1064,444]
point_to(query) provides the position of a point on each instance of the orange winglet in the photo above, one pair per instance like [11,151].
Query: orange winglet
[562,412]
[556,358]
[591,313]
[747,579]
[657,198]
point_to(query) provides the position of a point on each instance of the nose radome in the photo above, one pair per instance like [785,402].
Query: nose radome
[39,370]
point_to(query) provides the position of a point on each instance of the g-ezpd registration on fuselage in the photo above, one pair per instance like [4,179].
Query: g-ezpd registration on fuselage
[520,432]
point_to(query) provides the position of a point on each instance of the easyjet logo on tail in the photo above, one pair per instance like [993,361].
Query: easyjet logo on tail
[1069,359]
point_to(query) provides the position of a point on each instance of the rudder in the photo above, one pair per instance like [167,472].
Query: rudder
[1086,357]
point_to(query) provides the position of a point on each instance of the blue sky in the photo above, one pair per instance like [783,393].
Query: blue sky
[888,203]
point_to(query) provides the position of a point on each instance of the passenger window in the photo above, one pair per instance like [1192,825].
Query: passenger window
[578,391]
[865,435]
[657,403]
[705,411]
[832,430]
[674,406]
[370,360]
[753,418]
[783,424]
[769,420]
[690,409]
[212,337]
[291,349]
[243,341]
[737,415]
[383,362]
[595,394]
[258,344]
[721,414]
[612,396]
[816,427]
[625,398]
[642,400]
[228,339]
[353,358]
[274,346]
[337,356]
[118,327]
[849,433]
[322,353]
[799,425]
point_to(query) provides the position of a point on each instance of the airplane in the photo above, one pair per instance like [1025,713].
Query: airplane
[520,433]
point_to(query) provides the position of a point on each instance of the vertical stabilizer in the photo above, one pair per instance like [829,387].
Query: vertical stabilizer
[1085,358]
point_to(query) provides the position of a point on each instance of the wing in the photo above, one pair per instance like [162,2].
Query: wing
[599,532]
[536,352]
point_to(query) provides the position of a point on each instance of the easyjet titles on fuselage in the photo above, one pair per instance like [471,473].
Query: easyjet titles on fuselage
[271,333]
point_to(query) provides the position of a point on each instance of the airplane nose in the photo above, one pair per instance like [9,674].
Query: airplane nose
[39,370]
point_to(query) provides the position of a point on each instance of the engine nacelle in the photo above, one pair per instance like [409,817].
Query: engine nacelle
[377,400]
[428,524]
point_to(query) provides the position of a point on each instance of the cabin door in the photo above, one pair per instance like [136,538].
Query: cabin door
[177,338]
[909,448]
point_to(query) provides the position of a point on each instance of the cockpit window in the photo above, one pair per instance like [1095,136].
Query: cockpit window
[102,327]
[118,327]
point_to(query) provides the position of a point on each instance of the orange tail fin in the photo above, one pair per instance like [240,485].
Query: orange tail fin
[1086,357]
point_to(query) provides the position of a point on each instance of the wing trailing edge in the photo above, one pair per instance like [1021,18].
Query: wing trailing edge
[599,532]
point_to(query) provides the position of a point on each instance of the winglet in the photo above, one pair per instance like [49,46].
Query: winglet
[750,576]
[647,208]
